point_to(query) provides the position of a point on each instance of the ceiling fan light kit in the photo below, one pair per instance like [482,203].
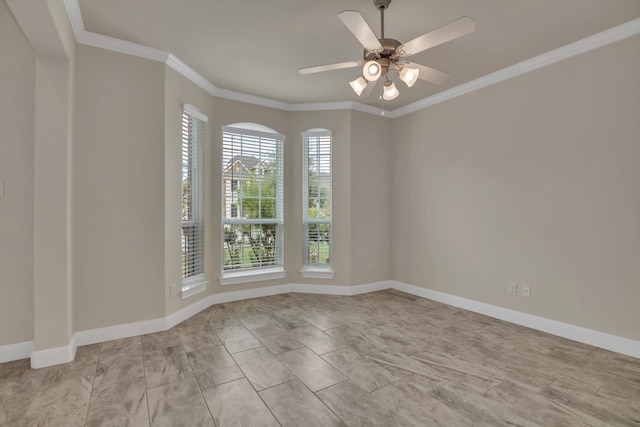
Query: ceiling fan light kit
[390,91]
[358,85]
[409,75]
[372,71]
[381,54]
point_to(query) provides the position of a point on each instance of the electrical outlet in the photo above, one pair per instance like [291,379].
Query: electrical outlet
[173,290]
[526,291]
[512,289]
[371,268]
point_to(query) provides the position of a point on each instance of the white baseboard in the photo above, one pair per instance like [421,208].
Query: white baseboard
[576,333]
[11,352]
[195,308]
[55,356]
[341,290]
[126,330]
[181,315]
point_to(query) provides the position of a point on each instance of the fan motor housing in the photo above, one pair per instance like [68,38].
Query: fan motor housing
[389,47]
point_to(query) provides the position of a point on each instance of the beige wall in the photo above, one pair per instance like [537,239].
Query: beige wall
[339,123]
[180,91]
[371,191]
[110,240]
[118,182]
[535,181]
[223,112]
[17,67]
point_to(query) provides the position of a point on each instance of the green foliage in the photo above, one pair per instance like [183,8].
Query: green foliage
[319,198]
[253,245]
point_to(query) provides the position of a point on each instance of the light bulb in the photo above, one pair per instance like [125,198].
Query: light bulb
[390,91]
[358,85]
[371,71]
[409,75]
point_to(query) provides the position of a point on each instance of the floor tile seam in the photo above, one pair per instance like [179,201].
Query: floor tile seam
[329,386]
[204,348]
[261,399]
[346,375]
[566,407]
[221,383]
[177,380]
[365,391]
[204,399]
[93,380]
[542,389]
[245,374]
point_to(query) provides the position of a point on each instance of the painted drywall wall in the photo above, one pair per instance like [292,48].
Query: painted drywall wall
[339,123]
[534,181]
[371,145]
[118,182]
[17,64]
[180,91]
[220,112]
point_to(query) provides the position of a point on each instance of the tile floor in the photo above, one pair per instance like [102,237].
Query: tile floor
[378,359]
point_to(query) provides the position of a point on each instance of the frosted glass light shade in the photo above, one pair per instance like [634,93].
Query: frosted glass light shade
[390,91]
[409,75]
[371,71]
[358,85]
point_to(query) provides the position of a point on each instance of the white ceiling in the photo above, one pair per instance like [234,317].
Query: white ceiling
[256,46]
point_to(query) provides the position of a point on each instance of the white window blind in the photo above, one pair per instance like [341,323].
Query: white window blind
[192,197]
[316,198]
[252,217]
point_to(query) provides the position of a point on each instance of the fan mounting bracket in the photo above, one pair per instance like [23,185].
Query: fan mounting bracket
[381,4]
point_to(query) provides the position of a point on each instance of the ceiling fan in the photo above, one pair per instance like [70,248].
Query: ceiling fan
[382,54]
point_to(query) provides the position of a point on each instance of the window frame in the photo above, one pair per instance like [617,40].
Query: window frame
[194,138]
[316,270]
[259,273]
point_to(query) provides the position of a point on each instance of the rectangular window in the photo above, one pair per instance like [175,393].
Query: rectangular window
[252,220]
[192,220]
[316,204]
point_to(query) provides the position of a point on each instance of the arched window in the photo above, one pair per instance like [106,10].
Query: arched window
[316,203]
[252,191]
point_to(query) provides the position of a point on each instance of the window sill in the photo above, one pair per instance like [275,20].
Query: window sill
[236,277]
[193,286]
[317,273]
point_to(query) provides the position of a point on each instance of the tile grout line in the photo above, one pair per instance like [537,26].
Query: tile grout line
[93,380]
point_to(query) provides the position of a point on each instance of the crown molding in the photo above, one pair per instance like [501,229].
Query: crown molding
[595,41]
[181,67]
[122,46]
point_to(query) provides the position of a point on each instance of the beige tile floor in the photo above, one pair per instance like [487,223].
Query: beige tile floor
[378,359]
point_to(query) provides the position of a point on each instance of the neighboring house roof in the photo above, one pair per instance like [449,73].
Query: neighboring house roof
[247,164]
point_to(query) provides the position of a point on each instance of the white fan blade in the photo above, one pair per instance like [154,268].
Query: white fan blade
[359,27]
[330,67]
[429,74]
[455,29]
